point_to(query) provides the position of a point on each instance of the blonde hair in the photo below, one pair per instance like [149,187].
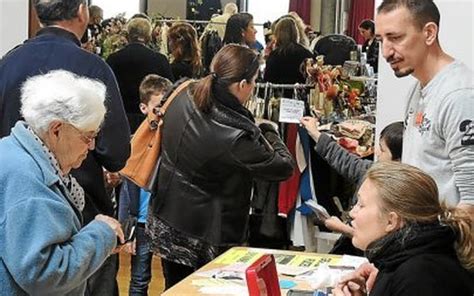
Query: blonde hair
[286,33]
[139,29]
[413,195]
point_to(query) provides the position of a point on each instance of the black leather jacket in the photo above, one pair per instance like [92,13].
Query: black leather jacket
[208,164]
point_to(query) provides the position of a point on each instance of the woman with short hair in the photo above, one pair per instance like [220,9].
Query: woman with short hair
[417,245]
[44,248]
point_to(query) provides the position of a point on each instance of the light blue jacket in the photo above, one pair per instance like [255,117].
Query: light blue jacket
[43,248]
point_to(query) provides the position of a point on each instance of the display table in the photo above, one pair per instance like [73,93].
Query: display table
[287,262]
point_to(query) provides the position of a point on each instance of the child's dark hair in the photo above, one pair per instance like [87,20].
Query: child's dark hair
[153,84]
[392,134]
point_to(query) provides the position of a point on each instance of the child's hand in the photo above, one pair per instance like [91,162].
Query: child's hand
[112,180]
[336,225]
[311,124]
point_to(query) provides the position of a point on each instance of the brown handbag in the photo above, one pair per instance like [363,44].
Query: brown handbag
[142,165]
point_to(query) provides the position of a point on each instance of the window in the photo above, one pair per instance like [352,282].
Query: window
[264,11]
[113,8]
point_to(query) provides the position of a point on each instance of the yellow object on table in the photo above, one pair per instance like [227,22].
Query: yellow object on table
[290,260]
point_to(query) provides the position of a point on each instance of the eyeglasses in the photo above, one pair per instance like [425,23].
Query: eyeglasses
[87,139]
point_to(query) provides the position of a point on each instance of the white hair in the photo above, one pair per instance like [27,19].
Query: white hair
[60,95]
[231,8]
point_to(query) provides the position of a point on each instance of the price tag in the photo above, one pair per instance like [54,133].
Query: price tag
[291,111]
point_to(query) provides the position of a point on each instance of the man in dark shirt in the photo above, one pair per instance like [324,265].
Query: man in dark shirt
[132,63]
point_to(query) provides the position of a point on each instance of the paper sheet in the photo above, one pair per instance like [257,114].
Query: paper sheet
[291,111]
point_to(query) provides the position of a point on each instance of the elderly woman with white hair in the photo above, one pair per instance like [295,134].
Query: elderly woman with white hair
[43,247]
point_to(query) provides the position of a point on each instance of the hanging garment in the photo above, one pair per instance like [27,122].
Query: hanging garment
[288,190]
[211,43]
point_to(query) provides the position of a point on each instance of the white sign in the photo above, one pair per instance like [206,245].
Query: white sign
[291,111]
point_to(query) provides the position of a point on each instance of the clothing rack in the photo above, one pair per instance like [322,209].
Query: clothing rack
[283,86]
[193,21]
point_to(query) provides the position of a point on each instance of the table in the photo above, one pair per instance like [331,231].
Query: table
[247,256]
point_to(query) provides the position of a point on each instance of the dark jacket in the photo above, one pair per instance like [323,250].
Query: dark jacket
[372,51]
[55,48]
[419,260]
[209,161]
[131,64]
[283,66]
[348,165]
[351,167]
[183,69]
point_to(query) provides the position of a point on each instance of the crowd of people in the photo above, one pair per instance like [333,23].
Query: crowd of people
[68,113]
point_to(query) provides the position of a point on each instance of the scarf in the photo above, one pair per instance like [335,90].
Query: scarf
[75,191]
[395,248]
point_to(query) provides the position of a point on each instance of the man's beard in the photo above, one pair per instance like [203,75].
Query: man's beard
[398,72]
[405,73]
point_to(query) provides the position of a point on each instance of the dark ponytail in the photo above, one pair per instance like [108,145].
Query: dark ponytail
[233,63]
[202,93]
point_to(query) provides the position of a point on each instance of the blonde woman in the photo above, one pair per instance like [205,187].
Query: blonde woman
[417,245]
[283,63]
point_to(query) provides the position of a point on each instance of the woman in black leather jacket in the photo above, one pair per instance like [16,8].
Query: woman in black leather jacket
[211,152]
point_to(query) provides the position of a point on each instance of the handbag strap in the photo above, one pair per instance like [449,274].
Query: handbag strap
[166,101]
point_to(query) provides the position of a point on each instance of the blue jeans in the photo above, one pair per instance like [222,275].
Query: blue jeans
[141,264]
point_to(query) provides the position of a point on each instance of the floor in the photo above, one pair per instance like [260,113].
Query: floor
[123,278]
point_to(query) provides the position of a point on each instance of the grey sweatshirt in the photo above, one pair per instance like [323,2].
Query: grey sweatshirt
[439,132]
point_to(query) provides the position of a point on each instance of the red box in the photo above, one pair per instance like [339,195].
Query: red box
[262,277]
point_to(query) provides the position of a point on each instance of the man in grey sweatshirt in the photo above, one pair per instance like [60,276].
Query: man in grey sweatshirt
[439,124]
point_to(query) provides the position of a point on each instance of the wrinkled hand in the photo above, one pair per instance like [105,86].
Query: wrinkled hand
[335,224]
[114,225]
[360,282]
[131,247]
[311,124]
[112,180]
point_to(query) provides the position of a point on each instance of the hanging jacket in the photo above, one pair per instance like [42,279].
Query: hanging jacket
[211,43]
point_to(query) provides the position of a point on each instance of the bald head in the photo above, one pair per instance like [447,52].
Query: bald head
[231,8]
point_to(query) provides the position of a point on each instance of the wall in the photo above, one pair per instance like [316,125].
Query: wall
[13,24]
[328,16]
[456,38]
[316,15]
[169,8]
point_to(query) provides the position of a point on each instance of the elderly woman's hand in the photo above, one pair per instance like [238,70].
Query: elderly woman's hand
[311,124]
[114,224]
